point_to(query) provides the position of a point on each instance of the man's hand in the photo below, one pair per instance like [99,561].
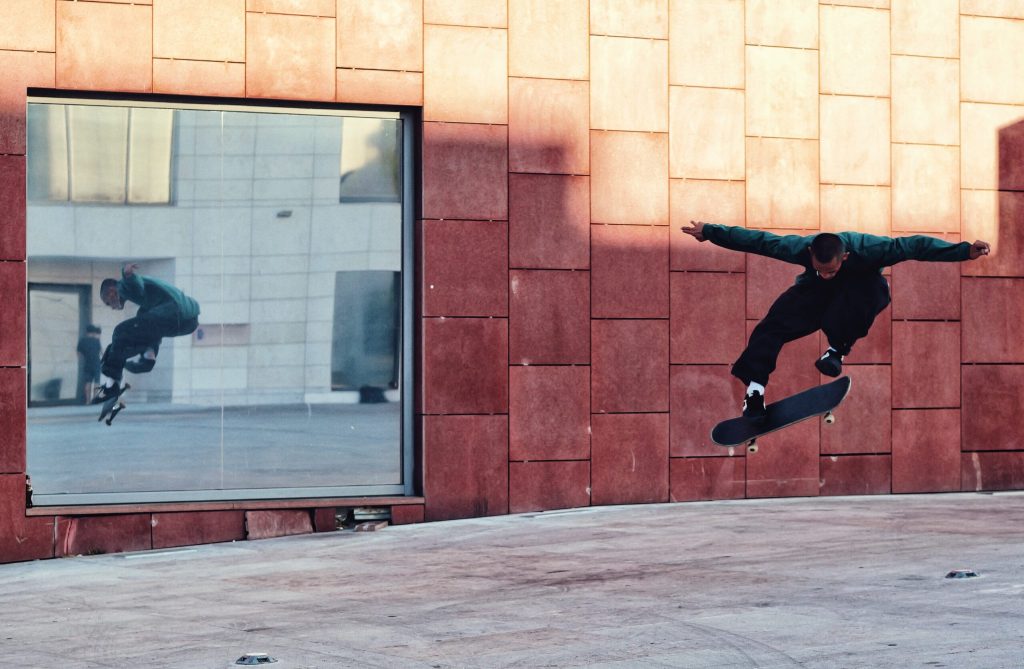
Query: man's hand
[978,249]
[130,268]
[695,230]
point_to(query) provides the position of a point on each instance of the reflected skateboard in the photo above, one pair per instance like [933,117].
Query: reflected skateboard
[113,406]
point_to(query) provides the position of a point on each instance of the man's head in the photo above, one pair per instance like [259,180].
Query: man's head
[109,294]
[827,254]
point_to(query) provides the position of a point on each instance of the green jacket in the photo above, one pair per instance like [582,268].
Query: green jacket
[150,293]
[867,252]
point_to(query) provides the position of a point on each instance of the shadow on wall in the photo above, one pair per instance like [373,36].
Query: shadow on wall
[997,216]
[504,244]
[1010,235]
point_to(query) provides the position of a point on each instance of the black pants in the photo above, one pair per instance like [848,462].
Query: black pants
[843,308]
[133,336]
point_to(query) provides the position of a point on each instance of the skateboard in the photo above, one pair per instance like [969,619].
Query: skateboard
[817,401]
[113,406]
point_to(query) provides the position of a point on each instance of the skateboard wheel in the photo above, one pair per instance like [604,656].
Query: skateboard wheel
[830,418]
[752,447]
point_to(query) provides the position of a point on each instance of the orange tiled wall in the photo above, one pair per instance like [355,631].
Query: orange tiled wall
[574,345]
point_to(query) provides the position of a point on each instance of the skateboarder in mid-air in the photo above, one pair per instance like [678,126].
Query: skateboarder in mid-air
[164,311]
[840,292]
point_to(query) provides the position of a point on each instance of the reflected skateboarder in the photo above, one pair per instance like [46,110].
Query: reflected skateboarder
[164,311]
[841,292]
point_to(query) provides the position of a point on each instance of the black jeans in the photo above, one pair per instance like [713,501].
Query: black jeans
[843,308]
[133,336]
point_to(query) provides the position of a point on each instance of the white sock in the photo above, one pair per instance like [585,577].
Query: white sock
[755,386]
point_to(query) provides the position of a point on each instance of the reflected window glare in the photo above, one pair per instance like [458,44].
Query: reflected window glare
[257,313]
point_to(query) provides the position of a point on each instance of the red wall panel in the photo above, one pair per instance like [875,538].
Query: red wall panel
[548,126]
[13,306]
[629,271]
[12,207]
[21,70]
[993,396]
[465,171]
[864,420]
[12,420]
[465,365]
[465,268]
[540,486]
[549,317]
[855,475]
[549,221]
[925,367]
[93,535]
[630,458]
[549,412]
[87,59]
[700,396]
[630,365]
[200,527]
[992,471]
[465,466]
[695,479]
[707,317]
[926,450]
[786,463]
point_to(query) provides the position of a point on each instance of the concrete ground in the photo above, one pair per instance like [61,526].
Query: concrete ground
[838,582]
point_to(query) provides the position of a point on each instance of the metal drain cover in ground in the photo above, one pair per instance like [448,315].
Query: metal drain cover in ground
[253,659]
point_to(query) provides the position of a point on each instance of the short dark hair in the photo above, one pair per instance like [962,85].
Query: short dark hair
[826,247]
[107,283]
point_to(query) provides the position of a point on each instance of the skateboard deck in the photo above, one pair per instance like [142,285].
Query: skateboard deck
[816,401]
[113,406]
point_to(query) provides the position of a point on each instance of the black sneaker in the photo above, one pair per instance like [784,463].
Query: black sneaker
[107,392]
[753,406]
[830,364]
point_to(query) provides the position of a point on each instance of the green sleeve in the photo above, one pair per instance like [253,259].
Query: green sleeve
[132,288]
[887,251]
[922,247]
[788,248]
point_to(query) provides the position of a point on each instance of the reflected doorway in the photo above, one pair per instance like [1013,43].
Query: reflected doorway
[58,316]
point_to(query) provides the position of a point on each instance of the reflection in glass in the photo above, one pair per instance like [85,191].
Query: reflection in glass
[58,343]
[290,384]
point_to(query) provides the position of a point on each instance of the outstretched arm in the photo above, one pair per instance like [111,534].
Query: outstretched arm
[789,248]
[931,249]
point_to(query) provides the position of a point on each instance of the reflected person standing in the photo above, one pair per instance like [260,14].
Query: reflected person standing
[88,350]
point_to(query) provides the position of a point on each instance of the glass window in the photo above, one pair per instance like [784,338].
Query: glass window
[260,317]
